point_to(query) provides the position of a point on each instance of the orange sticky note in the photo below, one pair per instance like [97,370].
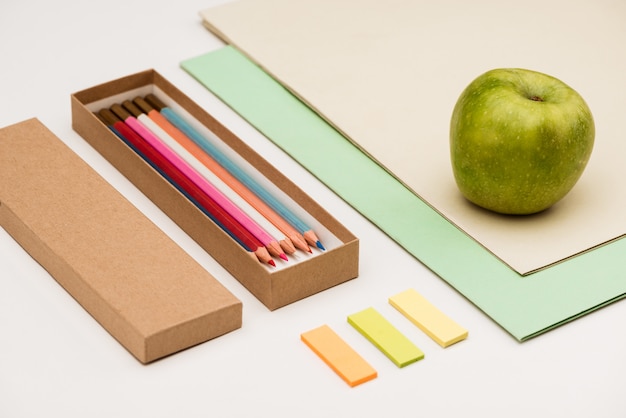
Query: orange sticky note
[338,355]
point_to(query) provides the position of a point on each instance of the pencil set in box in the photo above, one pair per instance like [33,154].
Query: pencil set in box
[216,188]
[211,180]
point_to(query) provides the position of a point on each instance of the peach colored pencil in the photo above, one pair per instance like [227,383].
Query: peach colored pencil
[269,242]
[169,141]
[294,236]
[233,169]
[213,210]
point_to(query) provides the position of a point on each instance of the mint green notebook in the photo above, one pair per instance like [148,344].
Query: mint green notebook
[525,306]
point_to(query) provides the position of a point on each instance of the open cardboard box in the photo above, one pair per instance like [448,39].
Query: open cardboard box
[134,280]
[274,287]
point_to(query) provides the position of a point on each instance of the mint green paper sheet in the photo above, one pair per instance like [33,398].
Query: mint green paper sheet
[524,306]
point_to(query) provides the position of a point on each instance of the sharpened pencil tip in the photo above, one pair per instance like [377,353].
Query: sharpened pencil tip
[271,263]
[284,257]
[320,246]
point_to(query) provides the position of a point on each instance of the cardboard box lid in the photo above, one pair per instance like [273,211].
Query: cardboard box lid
[133,279]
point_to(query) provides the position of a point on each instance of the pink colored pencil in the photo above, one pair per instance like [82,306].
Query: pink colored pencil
[272,245]
[295,237]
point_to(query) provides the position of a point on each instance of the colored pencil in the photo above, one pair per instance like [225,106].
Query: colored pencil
[218,214]
[209,176]
[270,243]
[236,171]
[294,236]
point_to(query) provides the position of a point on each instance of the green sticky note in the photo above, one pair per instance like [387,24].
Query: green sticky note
[525,306]
[380,332]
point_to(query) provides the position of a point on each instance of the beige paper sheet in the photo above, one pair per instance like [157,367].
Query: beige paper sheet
[387,74]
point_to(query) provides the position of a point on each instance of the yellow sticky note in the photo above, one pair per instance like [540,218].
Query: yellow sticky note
[380,332]
[338,355]
[428,318]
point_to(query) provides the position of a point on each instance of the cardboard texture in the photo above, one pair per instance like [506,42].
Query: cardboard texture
[274,288]
[401,66]
[134,280]
[524,306]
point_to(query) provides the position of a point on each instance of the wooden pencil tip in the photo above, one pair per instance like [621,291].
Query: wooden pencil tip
[319,245]
[287,246]
[271,263]
[283,256]
[300,243]
[311,238]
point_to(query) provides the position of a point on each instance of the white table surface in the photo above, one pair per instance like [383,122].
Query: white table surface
[55,360]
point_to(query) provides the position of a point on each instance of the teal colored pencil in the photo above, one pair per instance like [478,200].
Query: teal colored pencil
[235,170]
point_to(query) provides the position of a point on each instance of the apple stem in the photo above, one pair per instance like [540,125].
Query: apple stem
[536,98]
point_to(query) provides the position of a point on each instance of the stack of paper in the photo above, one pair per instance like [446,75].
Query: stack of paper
[386,75]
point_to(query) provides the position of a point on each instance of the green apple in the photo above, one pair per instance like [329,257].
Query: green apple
[519,140]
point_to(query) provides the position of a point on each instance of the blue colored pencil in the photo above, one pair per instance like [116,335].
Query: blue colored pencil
[235,170]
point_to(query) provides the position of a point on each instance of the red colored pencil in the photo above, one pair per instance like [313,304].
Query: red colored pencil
[249,240]
[292,235]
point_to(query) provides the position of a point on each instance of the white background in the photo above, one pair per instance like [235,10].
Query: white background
[55,360]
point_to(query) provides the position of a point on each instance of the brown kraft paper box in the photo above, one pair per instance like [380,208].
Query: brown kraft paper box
[134,280]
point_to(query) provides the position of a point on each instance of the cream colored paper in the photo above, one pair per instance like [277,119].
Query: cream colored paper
[387,74]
